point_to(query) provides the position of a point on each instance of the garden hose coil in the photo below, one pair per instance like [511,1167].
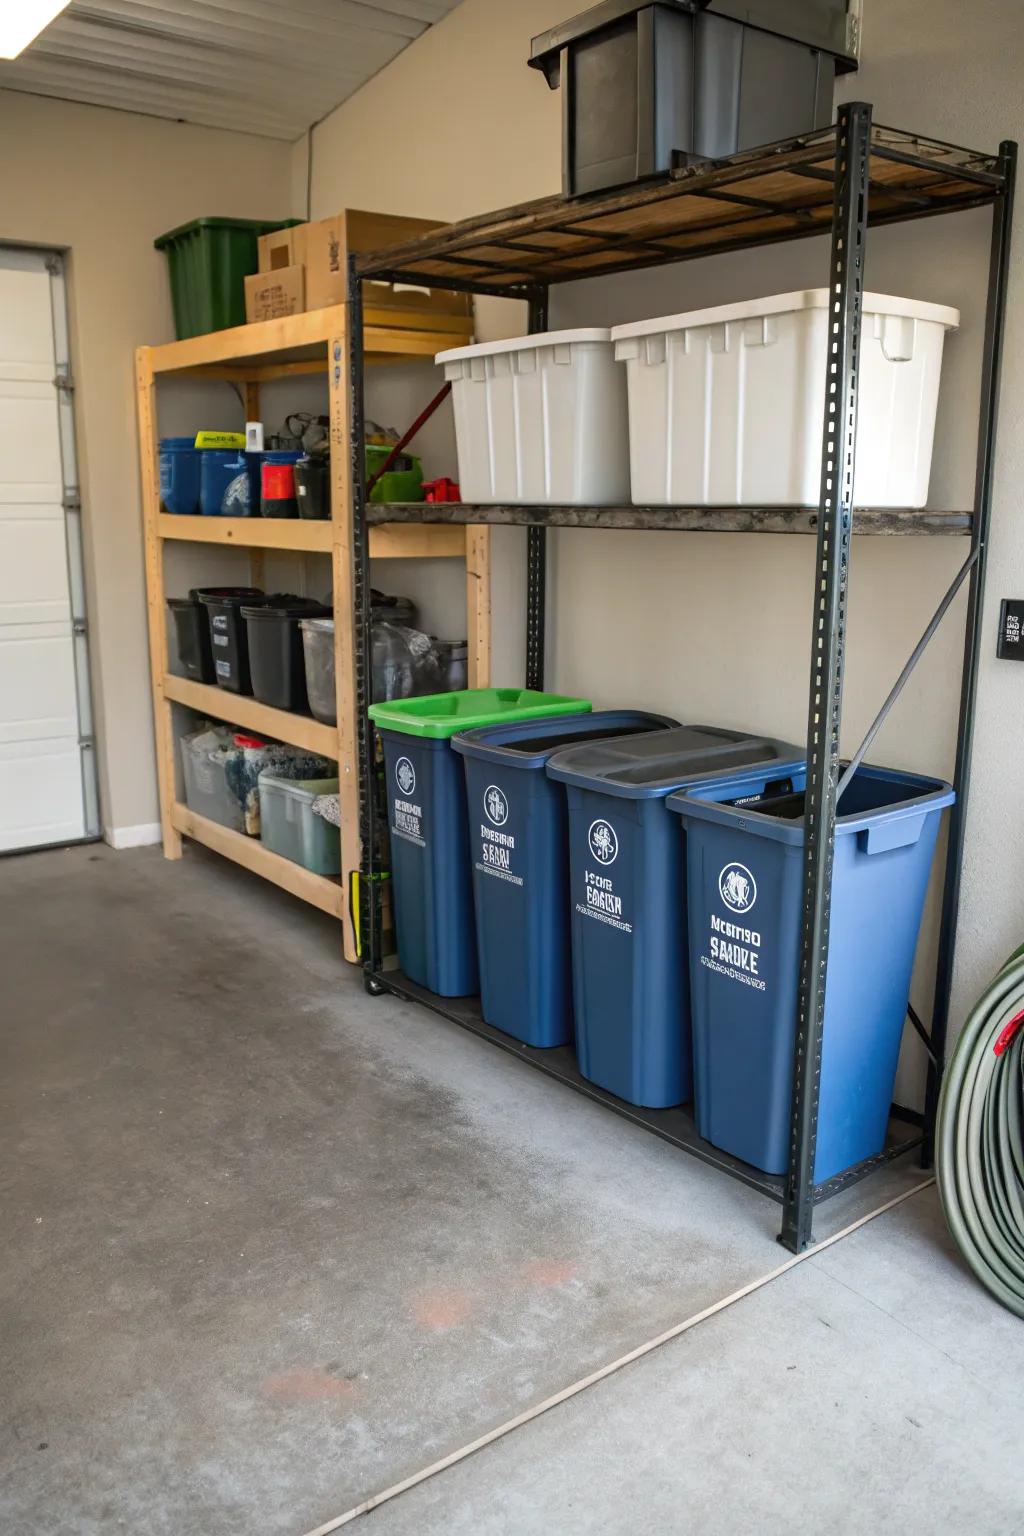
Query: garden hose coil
[980,1138]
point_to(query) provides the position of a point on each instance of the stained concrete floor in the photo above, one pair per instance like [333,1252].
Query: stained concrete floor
[271,1246]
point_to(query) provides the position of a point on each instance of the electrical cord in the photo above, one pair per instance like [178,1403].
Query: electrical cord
[979,1159]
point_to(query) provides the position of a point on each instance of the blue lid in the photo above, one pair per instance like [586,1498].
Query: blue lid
[176,444]
[282,455]
[651,766]
[531,743]
[875,795]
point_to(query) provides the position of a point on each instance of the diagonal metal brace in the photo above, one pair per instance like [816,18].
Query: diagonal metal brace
[901,682]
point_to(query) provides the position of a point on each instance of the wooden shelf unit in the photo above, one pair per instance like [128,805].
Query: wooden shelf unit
[316,342]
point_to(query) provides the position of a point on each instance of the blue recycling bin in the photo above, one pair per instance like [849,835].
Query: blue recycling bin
[519,851]
[631,992]
[745,851]
[431,882]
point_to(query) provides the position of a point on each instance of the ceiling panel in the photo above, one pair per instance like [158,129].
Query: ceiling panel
[258,66]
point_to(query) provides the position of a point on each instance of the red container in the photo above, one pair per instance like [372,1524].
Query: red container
[441,490]
[277,484]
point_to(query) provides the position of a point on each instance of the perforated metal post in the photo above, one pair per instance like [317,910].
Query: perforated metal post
[828,645]
[369,884]
[995,314]
[536,550]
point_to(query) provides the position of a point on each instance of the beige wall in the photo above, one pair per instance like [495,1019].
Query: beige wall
[716,627]
[104,184]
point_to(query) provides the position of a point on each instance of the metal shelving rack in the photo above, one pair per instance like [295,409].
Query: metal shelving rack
[842,180]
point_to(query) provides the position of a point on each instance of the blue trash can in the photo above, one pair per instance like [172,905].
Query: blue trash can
[629,958]
[745,892]
[426,796]
[179,475]
[519,850]
[229,483]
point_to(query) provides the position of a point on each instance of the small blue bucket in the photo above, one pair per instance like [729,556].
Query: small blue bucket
[179,475]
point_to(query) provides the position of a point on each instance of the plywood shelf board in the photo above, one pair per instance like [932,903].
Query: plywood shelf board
[249,852]
[249,714]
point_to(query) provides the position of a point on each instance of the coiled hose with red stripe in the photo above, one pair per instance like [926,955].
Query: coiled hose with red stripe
[979,1155]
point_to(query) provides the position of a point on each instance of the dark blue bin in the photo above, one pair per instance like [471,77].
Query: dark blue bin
[229,483]
[179,475]
[745,890]
[519,849]
[628,912]
[430,862]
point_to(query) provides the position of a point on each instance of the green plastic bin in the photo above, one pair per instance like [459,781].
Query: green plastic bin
[431,867]
[209,261]
[396,484]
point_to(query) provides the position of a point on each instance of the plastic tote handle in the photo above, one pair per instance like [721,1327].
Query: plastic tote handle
[883,836]
[897,333]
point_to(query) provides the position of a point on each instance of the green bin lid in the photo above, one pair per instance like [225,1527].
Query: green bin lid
[258,226]
[441,715]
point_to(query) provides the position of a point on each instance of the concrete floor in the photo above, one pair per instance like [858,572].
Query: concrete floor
[272,1245]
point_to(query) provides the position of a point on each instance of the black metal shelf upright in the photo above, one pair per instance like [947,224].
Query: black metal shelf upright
[840,181]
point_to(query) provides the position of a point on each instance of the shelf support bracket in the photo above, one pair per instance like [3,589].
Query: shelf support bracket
[828,644]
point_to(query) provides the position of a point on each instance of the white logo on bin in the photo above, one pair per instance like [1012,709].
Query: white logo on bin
[737,887]
[604,845]
[495,805]
[405,773]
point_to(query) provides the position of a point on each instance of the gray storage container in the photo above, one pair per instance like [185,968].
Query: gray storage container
[291,828]
[204,760]
[647,86]
[318,652]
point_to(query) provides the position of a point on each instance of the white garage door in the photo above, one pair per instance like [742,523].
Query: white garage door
[47,770]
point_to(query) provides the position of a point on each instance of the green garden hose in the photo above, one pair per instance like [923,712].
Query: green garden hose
[979,1158]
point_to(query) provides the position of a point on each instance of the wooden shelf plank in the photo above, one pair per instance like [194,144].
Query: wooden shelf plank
[296,533]
[251,715]
[307,537]
[885,521]
[318,890]
[293,344]
[417,542]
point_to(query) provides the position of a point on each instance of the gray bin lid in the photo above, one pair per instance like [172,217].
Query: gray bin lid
[651,766]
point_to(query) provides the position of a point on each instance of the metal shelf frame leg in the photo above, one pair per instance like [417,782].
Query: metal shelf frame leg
[828,648]
[995,315]
[536,546]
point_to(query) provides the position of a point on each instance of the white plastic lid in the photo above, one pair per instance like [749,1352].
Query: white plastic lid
[521,343]
[788,303]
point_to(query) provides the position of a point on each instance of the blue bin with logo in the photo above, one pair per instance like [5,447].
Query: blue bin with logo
[631,990]
[229,483]
[431,881]
[519,851]
[745,869]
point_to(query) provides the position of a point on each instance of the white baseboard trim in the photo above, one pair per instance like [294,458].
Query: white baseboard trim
[133,837]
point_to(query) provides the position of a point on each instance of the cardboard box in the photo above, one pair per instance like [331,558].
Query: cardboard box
[324,247]
[269,295]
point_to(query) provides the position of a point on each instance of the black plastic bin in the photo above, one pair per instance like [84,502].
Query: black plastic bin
[647,85]
[276,660]
[313,485]
[229,640]
[192,626]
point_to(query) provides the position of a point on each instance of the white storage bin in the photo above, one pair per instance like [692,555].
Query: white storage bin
[725,404]
[541,419]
